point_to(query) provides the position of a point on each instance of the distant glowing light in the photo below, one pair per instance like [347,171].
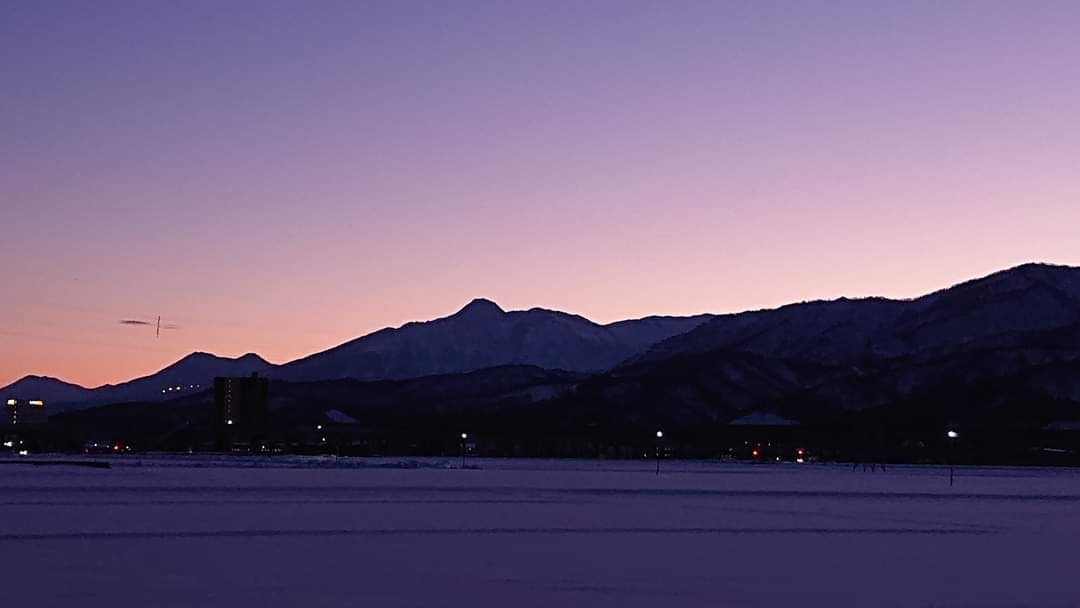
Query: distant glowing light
[952,434]
[659,434]
[9,444]
[229,422]
[11,402]
[23,452]
[318,427]
[37,403]
[799,460]
[755,453]
[464,435]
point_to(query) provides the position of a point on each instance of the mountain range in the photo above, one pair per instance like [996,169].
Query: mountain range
[1005,346]
[1008,340]
[478,336]
[194,373]
[483,335]
[1024,300]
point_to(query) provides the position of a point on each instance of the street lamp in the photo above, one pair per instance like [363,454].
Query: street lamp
[952,437]
[464,436]
[659,438]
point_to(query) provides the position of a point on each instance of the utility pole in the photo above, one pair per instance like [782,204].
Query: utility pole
[659,439]
[952,437]
[464,436]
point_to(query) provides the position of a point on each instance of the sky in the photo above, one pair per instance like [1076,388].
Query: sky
[280,177]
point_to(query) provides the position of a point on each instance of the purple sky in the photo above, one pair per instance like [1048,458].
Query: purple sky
[281,177]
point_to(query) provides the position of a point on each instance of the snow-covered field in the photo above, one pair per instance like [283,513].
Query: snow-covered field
[193,531]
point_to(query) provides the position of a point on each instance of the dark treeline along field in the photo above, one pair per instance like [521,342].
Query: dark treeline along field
[996,359]
[606,416]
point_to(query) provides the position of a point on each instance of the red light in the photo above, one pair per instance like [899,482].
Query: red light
[755,453]
[116,448]
[801,451]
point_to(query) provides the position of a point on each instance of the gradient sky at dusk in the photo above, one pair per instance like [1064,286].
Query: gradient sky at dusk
[282,177]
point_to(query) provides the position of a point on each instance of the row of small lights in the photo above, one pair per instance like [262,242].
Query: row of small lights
[659,435]
[801,452]
[170,389]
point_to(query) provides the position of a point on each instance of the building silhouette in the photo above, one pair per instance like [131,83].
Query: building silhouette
[241,409]
[19,413]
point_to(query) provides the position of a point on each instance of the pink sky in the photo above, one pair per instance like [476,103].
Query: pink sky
[278,178]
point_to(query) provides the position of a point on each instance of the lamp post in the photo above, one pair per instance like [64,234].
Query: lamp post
[659,438]
[464,436]
[952,437]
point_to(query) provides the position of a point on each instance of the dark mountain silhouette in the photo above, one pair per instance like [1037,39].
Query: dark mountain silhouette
[193,373]
[478,336]
[1025,300]
[998,357]
[51,390]
[1006,346]
[483,335]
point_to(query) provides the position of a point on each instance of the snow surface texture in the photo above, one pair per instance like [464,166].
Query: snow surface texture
[219,531]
